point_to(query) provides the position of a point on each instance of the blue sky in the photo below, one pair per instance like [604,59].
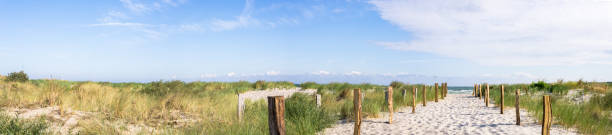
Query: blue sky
[311,40]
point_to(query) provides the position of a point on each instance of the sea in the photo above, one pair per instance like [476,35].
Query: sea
[460,90]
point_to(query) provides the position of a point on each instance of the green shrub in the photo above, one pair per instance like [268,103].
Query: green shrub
[259,85]
[17,77]
[396,84]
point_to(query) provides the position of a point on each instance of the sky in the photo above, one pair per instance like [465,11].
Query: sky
[357,41]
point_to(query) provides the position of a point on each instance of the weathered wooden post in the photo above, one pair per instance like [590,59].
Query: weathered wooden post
[414,90]
[318,99]
[240,106]
[445,89]
[424,97]
[547,119]
[474,91]
[276,115]
[390,102]
[516,105]
[479,91]
[501,105]
[357,110]
[436,92]
[487,96]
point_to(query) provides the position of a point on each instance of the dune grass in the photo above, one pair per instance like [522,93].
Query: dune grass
[589,118]
[16,126]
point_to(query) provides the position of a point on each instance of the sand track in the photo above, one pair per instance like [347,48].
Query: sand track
[456,114]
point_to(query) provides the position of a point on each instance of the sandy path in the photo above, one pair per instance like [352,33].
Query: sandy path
[456,114]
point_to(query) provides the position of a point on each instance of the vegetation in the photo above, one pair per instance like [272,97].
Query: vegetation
[176,107]
[15,126]
[17,77]
[592,117]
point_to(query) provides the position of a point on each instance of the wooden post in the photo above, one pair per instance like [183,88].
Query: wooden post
[276,115]
[414,90]
[501,105]
[516,105]
[357,110]
[487,96]
[443,90]
[318,99]
[479,91]
[547,119]
[424,97]
[390,102]
[240,107]
[474,90]
[436,93]
[403,93]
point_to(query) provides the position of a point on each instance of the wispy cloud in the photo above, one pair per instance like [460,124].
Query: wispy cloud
[504,32]
[322,72]
[272,72]
[353,73]
[230,74]
[119,24]
[241,21]
[135,6]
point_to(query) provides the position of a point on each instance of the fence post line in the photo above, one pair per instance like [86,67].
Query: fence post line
[436,92]
[276,115]
[390,102]
[414,90]
[547,118]
[424,95]
[516,106]
[357,110]
[501,105]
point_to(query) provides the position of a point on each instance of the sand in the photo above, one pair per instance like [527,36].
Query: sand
[456,114]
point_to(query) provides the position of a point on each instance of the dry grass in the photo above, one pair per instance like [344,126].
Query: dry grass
[120,108]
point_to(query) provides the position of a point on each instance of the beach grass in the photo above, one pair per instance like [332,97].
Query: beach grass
[592,117]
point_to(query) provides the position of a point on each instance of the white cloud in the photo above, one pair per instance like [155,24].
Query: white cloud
[138,7]
[241,21]
[135,6]
[272,73]
[127,24]
[322,72]
[353,73]
[505,32]
[230,74]
[525,75]
[208,75]
[190,27]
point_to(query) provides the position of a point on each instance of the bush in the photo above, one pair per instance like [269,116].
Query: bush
[396,84]
[259,85]
[540,85]
[17,77]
